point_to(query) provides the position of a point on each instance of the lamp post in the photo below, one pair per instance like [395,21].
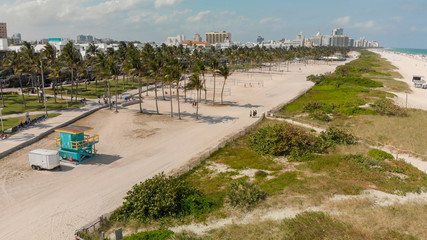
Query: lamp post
[1,117]
[66,97]
[44,93]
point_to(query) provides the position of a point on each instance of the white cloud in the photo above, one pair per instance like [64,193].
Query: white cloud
[341,21]
[158,19]
[199,16]
[269,19]
[347,22]
[165,3]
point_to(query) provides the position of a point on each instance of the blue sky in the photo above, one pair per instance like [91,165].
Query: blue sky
[394,23]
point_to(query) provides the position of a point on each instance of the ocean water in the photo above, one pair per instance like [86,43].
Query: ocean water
[410,51]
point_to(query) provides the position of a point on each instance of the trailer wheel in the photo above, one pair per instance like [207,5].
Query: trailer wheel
[33,167]
[38,168]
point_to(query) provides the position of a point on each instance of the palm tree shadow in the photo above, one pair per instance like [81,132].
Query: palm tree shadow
[248,105]
[209,119]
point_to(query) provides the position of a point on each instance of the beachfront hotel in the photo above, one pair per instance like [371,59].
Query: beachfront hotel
[218,37]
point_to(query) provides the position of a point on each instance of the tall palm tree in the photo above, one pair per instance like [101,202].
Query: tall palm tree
[48,56]
[134,66]
[225,72]
[113,70]
[13,61]
[196,83]
[72,58]
[214,65]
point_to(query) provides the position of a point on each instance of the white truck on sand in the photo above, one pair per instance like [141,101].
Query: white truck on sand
[44,159]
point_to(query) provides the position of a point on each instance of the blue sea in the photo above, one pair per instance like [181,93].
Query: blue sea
[410,51]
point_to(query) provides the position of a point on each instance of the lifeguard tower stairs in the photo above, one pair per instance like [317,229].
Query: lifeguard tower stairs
[74,145]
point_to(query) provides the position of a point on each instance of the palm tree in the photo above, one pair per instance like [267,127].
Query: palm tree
[113,69]
[196,83]
[214,65]
[225,72]
[134,66]
[48,56]
[13,61]
[72,58]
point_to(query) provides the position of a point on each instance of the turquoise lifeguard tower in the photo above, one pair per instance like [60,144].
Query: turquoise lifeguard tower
[74,145]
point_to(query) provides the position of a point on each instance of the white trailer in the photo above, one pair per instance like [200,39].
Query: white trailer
[44,159]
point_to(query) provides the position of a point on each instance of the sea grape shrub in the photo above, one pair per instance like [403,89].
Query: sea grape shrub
[244,194]
[321,116]
[280,139]
[336,135]
[159,197]
[316,78]
[388,108]
[161,234]
[380,155]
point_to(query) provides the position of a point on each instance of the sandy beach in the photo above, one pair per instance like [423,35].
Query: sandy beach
[408,65]
[132,148]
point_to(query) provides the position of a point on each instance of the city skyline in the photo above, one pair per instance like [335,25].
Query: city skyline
[396,24]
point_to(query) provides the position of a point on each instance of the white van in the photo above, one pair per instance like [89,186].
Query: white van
[44,159]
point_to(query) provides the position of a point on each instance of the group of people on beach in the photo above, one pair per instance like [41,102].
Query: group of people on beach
[252,113]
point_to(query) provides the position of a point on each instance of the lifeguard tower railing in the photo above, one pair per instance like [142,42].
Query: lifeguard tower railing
[86,142]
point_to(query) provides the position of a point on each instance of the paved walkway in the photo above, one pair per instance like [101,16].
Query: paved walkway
[31,133]
[41,129]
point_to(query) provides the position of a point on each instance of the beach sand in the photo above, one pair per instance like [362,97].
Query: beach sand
[132,148]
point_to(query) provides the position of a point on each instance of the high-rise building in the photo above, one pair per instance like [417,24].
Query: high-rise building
[84,38]
[218,37]
[3,31]
[259,39]
[197,38]
[340,41]
[337,31]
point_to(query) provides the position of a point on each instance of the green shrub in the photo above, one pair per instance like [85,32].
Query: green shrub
[313,106]
[260,174]
[196,204]
[338,136]
[316,78]
[280,139]
[300,156]
[320,115]
[159,197]
[380,155]
[244,194]
[160,234]
[388,108]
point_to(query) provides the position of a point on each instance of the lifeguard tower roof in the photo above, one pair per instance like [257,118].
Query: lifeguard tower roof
[73,129]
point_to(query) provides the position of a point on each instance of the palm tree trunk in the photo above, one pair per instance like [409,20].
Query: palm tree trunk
[163,90]
[206,91]
[198,95]
[2,98]
[22,91]
[155,95]
[96,87]
[109,94]
[177,99]
[72,86]
[222,90]
[77,87]
[213,100]
[124,79]
[146,93]
[117,83]
[140,97]
[54,89]
[185,90]
[170,94]
[37,90]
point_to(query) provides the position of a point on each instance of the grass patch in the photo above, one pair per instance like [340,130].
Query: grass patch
[11,122]
[14,104]
[93,90]
[403,133]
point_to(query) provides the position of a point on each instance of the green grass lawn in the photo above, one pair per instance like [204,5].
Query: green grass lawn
[14,104]
[10,122]
[93,89]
